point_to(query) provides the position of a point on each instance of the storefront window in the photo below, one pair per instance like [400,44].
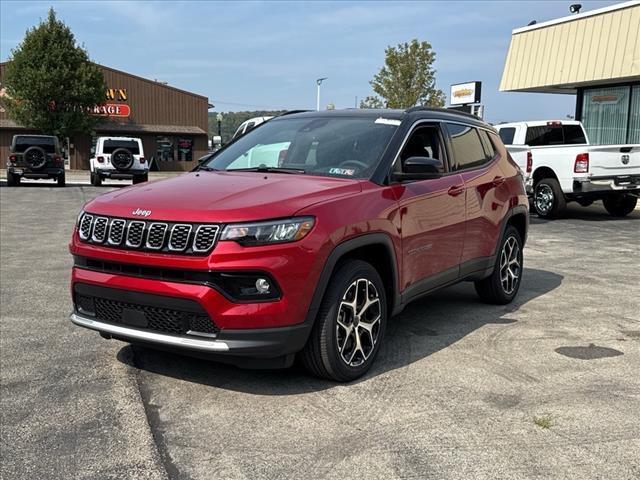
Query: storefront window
[605,114]
[634,116]
[164,149]
[185,149]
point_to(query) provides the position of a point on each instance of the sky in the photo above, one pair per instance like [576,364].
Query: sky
[268,55]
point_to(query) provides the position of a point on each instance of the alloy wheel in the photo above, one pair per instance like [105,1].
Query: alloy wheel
[358,322]
[510,265]
[544,199]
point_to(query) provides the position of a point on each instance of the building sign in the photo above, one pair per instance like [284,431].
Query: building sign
[117,94]
[607,99]
[465,93]
[112,110]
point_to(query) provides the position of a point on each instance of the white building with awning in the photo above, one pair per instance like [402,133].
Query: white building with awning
[594,55]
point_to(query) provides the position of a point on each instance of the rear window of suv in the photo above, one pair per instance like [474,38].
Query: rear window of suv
[48,144]
[111,145]
[554,135]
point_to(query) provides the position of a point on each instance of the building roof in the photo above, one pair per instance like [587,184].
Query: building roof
[593,48]
[138,128]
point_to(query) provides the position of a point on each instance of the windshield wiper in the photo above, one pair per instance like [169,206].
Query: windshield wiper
[206,168]
[264,169]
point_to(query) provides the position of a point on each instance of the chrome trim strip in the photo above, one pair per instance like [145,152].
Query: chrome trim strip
[106,230]
[164,234]
[135,334]
[186,244]
[215,238]
[127,242]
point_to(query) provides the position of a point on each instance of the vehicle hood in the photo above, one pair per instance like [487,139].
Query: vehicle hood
[222,196]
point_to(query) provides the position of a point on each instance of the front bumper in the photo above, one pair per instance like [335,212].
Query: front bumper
[618,183]
[120,175]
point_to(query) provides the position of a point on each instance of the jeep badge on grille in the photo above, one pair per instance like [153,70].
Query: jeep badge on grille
[141,213]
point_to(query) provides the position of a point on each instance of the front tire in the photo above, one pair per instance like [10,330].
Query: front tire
[548,199]
[503,284]
[350,325]
[620,205]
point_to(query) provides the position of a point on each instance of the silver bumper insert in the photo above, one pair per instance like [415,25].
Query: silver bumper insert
[146,336]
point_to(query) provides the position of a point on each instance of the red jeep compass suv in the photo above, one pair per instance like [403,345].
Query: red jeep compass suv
[304,236]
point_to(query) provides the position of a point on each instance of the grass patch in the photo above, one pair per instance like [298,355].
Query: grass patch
[546,421]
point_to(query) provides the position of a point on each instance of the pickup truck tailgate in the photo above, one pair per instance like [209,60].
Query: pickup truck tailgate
[612,160]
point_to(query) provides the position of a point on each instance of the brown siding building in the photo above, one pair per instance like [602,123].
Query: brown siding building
[172,123]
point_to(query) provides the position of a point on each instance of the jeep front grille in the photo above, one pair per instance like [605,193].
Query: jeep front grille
[164,237]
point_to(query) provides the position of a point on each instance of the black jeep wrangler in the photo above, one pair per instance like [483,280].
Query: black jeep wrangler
[35,156]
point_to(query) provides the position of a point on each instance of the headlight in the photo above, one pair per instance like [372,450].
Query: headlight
[265,233]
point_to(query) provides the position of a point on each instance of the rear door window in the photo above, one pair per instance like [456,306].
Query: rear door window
[466,146]
[110,146]
[507,134]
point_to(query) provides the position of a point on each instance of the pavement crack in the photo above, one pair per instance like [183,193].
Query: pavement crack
[154,422]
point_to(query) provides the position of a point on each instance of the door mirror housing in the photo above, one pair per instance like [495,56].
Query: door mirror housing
[420,168]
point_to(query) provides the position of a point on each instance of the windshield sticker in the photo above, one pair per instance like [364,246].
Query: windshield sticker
[342,171]
[388,121]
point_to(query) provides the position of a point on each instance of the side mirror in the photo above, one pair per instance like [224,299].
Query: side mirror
[420,168]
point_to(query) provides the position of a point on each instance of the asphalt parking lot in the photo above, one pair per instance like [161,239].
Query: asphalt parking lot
[547,387]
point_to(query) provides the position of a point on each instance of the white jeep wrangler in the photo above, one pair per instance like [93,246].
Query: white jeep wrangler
[118,158]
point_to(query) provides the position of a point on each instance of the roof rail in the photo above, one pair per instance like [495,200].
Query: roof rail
[291,112]
[440,109]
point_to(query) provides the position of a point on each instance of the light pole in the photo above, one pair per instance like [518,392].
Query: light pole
[219,119]
[319,82]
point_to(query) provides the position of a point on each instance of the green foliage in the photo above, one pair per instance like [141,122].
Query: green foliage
[407,78]
[232,120]
[50,82]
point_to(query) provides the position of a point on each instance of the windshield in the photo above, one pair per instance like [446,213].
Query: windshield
[331,146]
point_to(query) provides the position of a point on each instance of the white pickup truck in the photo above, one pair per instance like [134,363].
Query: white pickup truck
[118,158]
[561,166]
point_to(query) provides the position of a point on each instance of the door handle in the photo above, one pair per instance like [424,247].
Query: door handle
[455,190]
[497,181]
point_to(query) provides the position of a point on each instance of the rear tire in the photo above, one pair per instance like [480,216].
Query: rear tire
[13,180]
[548,199]
[61,180]
[96,181]
[350,325]
[140,178]
[503,284]
[620,205]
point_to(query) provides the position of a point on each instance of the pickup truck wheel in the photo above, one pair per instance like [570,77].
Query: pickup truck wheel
[620,205]
[96,181]
[13,180]
[61,180]
[548,199]
[503,284]
[350,325]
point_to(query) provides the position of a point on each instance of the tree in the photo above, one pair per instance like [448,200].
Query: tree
[407,78]
[50,83]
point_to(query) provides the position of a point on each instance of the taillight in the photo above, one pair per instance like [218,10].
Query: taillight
[142,160]
[529,162]
[57,159]
[100,159]
[582,163]
[13,158]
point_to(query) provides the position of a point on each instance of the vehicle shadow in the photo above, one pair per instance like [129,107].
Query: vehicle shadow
[422,329]
[52,184]
[592,213]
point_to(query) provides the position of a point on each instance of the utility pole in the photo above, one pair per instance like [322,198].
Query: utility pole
[319,82]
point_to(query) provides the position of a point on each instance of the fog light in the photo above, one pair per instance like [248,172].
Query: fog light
[263,286]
